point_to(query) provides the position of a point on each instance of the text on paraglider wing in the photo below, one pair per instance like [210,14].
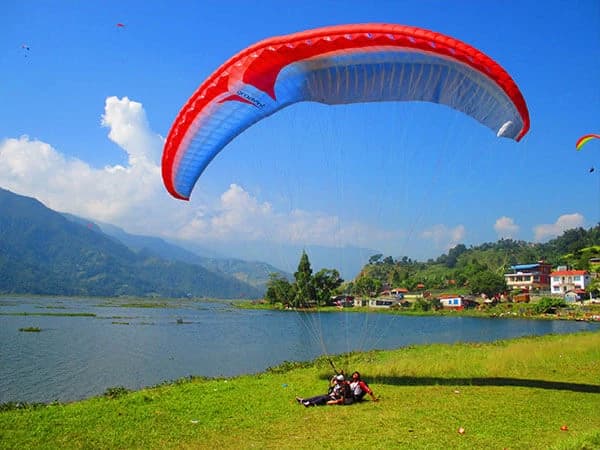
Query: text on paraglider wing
[251,99]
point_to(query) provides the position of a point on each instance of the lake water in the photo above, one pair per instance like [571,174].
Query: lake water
[127,345]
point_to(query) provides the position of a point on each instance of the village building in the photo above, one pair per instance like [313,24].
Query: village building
[384,302]
[457,302]
[397,293]
[529,277]
[343,301]
[452,301]
[564,281]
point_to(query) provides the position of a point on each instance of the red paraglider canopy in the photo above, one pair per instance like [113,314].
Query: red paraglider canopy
[278,71]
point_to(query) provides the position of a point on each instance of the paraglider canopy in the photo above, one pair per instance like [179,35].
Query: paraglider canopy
[585,139]
[337,65]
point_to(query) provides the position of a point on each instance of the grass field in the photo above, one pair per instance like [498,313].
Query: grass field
[514,394]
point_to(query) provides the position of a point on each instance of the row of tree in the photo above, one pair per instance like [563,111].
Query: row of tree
[309,290]
[481,269]
[473,270]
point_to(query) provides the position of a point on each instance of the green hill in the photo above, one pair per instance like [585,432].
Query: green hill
[255,273]
[457,268]
[42,252]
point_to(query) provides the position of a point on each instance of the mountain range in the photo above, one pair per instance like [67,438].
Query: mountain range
[49,252]
[46,252]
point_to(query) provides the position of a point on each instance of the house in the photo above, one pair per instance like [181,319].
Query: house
[360,302]
[343,301]
[564,280]
[398,293]
[529,276]
[385,302]
[453,301]
[578,295]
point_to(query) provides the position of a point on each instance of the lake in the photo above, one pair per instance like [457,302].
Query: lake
[120,343]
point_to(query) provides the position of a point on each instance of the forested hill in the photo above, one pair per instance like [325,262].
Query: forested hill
[573,248]
[255,273]
[42,252]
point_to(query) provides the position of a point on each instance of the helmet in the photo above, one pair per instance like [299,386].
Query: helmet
[340,378]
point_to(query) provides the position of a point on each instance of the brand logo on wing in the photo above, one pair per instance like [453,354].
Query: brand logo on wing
[251,99]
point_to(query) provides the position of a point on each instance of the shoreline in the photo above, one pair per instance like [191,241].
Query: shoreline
[427,392]
[587,313]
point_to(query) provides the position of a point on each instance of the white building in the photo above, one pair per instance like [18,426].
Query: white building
[563,281]
[452,301]
[384,302]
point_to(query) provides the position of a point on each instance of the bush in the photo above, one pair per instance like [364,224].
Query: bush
[436,304]
[115,392]
[11,406]
[548,305]
[421,305]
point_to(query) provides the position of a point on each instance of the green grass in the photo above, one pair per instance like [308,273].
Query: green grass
[512,394]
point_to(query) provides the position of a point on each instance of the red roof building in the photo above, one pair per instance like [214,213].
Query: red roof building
[563,281]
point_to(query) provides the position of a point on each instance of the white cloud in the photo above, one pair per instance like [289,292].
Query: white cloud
[443,237]
[130,130]
[240,216]
[563,223]
[133,196]
[116,194]
[506,227]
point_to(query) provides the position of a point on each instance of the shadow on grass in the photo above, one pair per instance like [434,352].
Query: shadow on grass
[482,381]
[485,381]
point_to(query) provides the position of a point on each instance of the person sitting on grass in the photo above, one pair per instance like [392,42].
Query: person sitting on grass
[339,394]
[360,388]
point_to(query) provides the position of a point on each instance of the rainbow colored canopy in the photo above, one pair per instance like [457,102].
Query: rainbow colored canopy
[585,139]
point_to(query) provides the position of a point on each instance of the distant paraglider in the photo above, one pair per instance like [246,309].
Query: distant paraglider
[337,65]
[120,25]
[585,139]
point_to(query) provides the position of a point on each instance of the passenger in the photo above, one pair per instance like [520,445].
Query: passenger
[344,395]
[360,388]
[339,394]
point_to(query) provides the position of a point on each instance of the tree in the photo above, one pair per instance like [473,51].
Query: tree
[453,255]
[488,283]
[398,278]
[367,286]
[279,290]
[421,305]
[325,281]
[594,287]
[305,291]
[375,259]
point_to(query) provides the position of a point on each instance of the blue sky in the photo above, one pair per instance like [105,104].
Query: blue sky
[87,105]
